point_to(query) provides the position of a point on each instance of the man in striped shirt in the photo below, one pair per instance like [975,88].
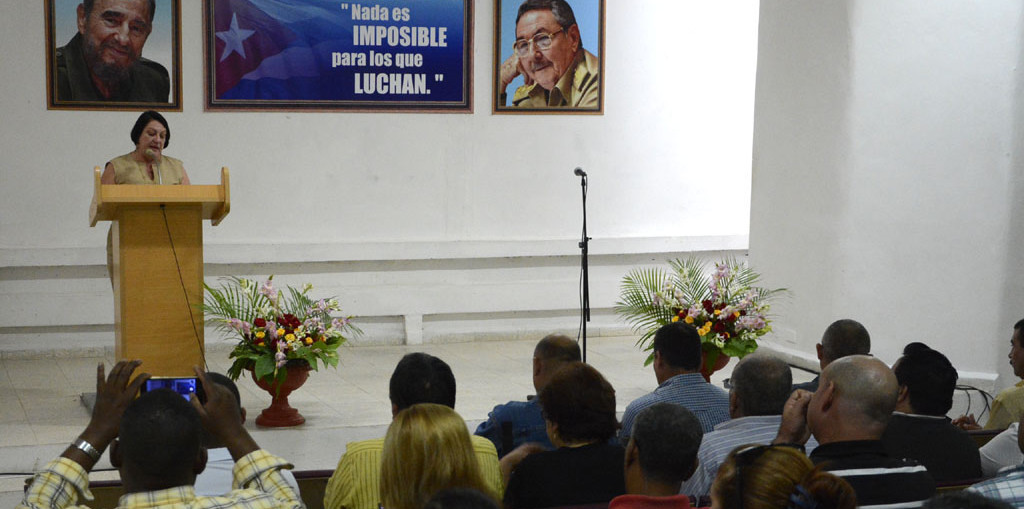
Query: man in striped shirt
[760,387]
[848,415]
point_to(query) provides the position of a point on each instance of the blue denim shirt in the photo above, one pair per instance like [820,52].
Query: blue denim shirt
[527,425]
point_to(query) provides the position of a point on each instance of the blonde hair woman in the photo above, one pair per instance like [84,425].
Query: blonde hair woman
[427,449]
[777,477]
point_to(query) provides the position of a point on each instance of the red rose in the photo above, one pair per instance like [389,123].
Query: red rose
[718,327]
[259,322]
[708,307]
[289,320]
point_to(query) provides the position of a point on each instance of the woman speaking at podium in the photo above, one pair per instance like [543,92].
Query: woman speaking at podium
[147,164]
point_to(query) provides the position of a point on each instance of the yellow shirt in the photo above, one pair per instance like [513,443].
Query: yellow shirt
[579,87]
[355,484]
[1007,408]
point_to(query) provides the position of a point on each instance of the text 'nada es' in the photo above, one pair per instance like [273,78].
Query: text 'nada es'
[378,13]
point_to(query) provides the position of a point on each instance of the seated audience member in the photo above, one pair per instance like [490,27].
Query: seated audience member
[517,422]
[1001,452]
[216,478]
[1008,484]
[964,499]
[848,415]
[777,477]
[760,387]
[155,445]
[461,498]
[427,449]
[841,338]
[418,378]
[677,362]
[919,428]
[579,410]
[662,453]
[1008,406]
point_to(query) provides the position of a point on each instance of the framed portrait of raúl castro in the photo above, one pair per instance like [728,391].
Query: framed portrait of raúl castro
[113,54]
[548,56]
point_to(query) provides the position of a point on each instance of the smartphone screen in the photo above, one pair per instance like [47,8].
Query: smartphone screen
[183,386]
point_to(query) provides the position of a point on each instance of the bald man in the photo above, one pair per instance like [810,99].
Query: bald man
[848,415]
[518,422]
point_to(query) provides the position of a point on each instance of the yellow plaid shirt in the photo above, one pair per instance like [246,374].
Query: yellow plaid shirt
[257,481]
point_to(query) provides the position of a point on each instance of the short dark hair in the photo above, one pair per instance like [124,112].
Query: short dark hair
[1019,325]
[845,337]
[422,378]
[557,347]
[160,433]
[581,402]
[144,119]
[667,437]
[87,6]
[929,377]
[559,8]
[762,384]
[679,345]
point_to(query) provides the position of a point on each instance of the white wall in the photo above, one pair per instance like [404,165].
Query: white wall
[455,216]
[887,177]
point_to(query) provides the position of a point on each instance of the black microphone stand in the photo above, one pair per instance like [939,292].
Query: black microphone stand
[585,283]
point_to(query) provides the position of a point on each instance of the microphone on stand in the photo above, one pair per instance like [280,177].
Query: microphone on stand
[584,269]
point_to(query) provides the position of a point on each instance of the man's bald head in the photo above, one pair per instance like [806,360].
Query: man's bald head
[552,353]
[865,390]
[557,347]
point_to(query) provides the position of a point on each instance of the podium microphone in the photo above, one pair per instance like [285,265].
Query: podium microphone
[579,172]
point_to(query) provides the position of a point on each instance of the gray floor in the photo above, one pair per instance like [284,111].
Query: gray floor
[42,413]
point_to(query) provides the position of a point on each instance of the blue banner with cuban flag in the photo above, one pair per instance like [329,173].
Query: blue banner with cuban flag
[374,54]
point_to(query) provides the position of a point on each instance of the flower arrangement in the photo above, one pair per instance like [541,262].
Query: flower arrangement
[727,309]
[277,328]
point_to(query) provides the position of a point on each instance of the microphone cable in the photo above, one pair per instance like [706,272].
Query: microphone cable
[184,291]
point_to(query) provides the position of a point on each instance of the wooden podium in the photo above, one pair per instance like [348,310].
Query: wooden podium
[157,269]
